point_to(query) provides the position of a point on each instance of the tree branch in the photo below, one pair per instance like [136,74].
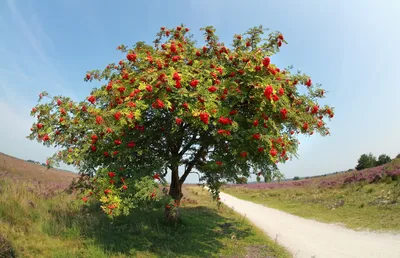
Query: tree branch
[188,145]
[191,164]
[165,171]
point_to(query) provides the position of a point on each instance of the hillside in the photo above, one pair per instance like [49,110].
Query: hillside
[374,174]
[18,168]
[366,199]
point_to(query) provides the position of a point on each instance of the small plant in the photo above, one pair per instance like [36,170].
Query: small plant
[395,193]
[369,190]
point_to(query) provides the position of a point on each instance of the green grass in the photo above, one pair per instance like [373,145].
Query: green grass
[358,206]
[60,227]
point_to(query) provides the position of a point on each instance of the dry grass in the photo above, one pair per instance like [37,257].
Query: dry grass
[36,221]
[359,205]
[14,167]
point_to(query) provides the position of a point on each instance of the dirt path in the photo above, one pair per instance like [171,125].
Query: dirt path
[309,238]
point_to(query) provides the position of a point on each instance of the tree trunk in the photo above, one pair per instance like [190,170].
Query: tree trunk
[175,191]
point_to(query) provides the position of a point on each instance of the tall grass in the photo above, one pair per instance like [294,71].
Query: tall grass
[38,223]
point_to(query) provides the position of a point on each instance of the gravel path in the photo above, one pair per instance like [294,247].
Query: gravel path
[309,238]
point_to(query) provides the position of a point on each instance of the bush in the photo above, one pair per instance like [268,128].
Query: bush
[296,178]
[241,180]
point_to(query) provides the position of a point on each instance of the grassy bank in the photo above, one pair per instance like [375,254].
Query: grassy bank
[39,224]
[357,205]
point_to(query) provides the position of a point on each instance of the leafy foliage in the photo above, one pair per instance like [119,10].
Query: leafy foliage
[224,111]
[366,161]
[383,159]
[296,178]
[369,161]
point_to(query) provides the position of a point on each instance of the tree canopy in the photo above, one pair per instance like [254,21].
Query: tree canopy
[366,161]
[369,161]
[383,159]
[223,111]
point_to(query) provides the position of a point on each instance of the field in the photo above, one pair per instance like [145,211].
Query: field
[39,219]
[363,200]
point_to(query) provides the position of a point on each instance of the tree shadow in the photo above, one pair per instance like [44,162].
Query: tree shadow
[198,234]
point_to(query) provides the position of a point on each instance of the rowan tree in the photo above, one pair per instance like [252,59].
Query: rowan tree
[223,111]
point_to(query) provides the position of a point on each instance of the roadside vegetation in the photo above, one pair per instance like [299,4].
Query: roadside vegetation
[366,199]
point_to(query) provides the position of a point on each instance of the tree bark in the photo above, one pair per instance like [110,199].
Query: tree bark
[175,191]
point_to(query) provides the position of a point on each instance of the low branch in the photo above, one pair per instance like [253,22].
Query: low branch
[188,145]
[165,170]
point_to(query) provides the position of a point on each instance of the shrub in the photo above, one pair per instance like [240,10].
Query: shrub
[241,180]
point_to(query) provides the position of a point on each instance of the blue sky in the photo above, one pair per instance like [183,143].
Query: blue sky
[350,47]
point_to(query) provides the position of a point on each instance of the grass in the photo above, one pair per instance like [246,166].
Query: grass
[359,206]
[40,225]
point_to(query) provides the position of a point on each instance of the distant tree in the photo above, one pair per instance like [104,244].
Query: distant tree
[398,156]
[366,161]
[44,164]
[32,161]
[383,159]
[296,178]
[241,180]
